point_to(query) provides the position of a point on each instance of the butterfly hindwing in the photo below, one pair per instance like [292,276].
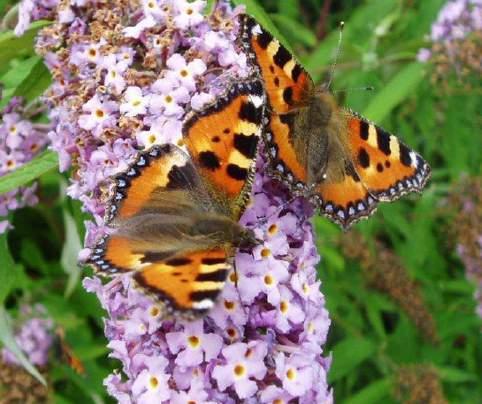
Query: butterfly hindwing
[387,167]
[381,169]
[345,202]
[192,282]
[223,142]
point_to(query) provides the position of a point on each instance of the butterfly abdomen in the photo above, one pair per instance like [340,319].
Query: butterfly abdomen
[318,139]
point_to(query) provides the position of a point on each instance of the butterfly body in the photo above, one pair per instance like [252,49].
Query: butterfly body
[340,161]
[173,222]
[317,129]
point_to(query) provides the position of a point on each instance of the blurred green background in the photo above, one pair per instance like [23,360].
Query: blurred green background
[403,313]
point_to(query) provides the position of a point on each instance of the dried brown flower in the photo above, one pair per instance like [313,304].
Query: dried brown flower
[418,384]
[384,272]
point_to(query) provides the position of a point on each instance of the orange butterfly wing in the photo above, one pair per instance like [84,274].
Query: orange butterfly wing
[287,86]
[286,82]
[223,142]
[373,171]
[191,282]
[381,169]
[387,167]
[186,281]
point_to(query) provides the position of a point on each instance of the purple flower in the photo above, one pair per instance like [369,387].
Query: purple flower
[134,102]
[20,142]
[455,21]
[244,362]
[151,385]
[184,72]
[32,10]
[168,98]
[34,336]
[192,346]
[295,372]
[114,77]
[133,88]
[98,114]
[189,14]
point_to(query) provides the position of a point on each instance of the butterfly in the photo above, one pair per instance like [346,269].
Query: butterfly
[64,352]
[342,162]
[174,215]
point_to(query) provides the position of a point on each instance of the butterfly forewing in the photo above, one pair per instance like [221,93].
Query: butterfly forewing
[286,82]
[223,142]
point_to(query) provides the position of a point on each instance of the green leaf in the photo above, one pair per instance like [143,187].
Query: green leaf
[373,393]
[70,250]
[7,268]
[358,32]
[209,7]
[290,8]
[8,340]
[375,318]
[257,11]
[332,258]
[13,78]
[39,165]
[36,82]
[454,375]
[399,88]
[294,30]
[12,46]
[348,354]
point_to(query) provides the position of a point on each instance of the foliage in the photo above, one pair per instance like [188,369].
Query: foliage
[371,336]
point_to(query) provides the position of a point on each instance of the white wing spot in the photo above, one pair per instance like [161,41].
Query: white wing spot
[203,304]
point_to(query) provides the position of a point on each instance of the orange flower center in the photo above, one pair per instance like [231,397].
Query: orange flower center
[239,370]
[268,280]
[194,341]
[265,252]
[291,374]
[273,229]
[229,305]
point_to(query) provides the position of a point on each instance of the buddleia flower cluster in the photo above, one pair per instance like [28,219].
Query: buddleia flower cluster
[125,75]
[466,201]
[456,38]
[20,141]
[33,335]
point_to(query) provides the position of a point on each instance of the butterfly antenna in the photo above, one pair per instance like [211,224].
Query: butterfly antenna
[345,90]
[337,55]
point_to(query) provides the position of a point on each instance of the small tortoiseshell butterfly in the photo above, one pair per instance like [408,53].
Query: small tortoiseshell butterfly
[65,353]
[343,163]
[175,216]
